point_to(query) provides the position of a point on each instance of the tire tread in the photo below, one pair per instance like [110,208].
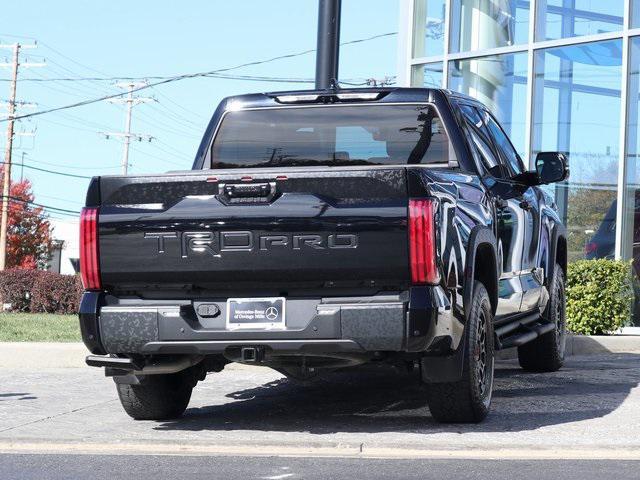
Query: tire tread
[158,397]
[455,402]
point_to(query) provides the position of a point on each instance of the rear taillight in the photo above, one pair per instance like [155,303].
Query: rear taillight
[422,241]
[590,247]
[89,260]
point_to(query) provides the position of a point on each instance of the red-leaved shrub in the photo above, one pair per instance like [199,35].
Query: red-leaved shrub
[56,293]
[16,288]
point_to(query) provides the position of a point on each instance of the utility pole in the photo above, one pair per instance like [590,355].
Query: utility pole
[6,184]
[22,167]
[130,100]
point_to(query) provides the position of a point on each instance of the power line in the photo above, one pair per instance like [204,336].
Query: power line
[68,58]
[213,73]
[252,78]
[65,200]
[85,122]
[26,37]
[192,75]
[72,167]
[54,172]
[176,164]
[159,124]
[182,107]
[94,84]
[61,88]
[96,81]
[86,67]
[178,156]
[177,152]
[65,125]
[36,204]
[176,116]
[59,216]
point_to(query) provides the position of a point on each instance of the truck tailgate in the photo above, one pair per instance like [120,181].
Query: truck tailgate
[291,229]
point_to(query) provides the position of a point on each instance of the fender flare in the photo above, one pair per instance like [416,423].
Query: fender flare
[480,235]
[559,231]
[448,368]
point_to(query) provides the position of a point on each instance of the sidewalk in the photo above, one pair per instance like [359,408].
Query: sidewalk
[34,355]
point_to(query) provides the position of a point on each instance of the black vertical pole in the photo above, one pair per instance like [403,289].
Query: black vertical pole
[328,49]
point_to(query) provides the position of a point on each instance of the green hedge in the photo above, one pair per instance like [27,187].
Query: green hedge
[599,296]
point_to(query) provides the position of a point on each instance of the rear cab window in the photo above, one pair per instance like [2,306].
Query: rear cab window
[484,153]
[505,148]
[491,147]
[335,135]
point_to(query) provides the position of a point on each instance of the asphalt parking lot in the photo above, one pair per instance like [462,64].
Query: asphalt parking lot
[589,409]
[159,467]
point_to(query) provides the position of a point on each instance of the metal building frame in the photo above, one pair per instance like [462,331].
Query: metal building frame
[406,62]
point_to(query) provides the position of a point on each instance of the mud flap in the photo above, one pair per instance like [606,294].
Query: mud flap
[444,369]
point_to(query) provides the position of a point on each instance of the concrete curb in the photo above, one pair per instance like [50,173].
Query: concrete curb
[590,345]
[33,355]
[325,449]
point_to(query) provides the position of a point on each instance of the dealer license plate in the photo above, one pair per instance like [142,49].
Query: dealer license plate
[256,313]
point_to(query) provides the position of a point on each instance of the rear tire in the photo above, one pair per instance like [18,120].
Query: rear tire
[468,399]
[158,397]
[546,353]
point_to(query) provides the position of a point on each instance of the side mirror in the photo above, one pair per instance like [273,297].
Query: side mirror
[551,167]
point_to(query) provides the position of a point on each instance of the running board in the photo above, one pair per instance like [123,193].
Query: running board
[513,325]
[526,334]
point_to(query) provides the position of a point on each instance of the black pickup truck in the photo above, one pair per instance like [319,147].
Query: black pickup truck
[323,229]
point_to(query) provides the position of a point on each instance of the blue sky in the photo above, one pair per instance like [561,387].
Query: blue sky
[145,38]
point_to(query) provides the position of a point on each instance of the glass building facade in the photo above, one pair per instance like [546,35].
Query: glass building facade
[561,75]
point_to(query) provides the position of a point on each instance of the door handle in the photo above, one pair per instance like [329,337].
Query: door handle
[525,205]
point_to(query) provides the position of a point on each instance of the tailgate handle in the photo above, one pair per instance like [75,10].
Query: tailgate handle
[247,192]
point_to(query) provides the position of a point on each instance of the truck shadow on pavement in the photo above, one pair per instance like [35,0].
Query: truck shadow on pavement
[372,400]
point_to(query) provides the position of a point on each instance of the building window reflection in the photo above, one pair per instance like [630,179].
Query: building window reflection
[481,24]
[631,212]
[572,18]
[500,82]
[577,111]
[428,75]
[428,27]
